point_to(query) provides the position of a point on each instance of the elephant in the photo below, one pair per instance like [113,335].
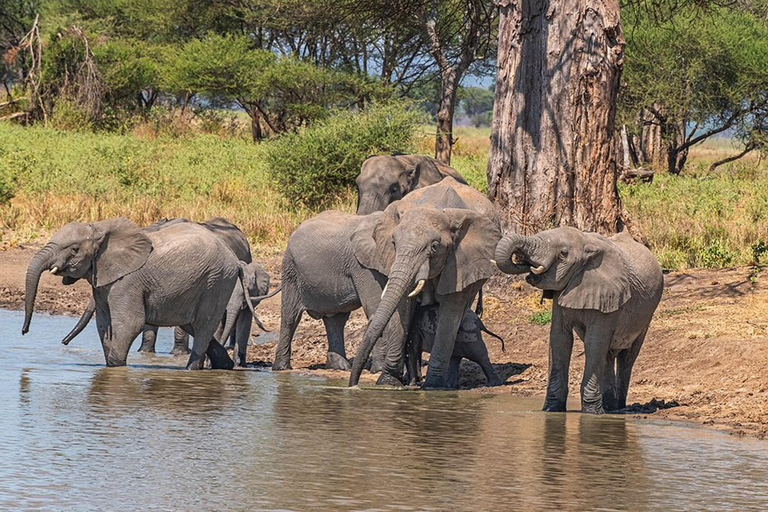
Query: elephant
[181,275]
[469,344]
[605,289]
[228,233]
[441,239]
[387,178]
[321,276]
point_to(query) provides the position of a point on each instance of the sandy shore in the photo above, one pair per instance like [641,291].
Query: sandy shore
[707,349]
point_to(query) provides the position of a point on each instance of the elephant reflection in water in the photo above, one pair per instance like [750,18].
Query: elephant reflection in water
[372,445]
[170,393]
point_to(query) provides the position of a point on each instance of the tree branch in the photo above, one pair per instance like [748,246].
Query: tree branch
[749,147]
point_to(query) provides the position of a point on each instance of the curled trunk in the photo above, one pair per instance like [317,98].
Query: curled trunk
[84,319]
[41,262]
[506,247]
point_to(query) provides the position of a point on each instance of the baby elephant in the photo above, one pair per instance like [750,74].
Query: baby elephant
[469,344]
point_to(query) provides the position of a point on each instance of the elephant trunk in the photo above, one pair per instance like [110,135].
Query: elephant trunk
[398,285]
[368,203]
[41,262]
[84,319]
[505,252]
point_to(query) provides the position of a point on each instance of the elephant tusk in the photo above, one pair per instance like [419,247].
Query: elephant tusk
[417,290]
[494,262]
[538,270]
[384,291]
[54,270]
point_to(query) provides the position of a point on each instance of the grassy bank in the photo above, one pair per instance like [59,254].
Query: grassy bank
[699,219]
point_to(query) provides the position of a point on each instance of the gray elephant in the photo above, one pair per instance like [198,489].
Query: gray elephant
[605,289]
[228,233]
[437,243]
[321,276]
[387,178]
[182,275]
[469,344]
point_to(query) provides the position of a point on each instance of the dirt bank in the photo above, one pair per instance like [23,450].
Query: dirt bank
[707,349]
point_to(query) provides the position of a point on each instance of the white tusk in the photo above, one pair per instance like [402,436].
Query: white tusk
[515,260]
[538,270]
[417,290]
[494,262]
[54,270]
[385,289]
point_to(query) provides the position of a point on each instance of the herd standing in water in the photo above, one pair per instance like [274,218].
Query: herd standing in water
[415,257]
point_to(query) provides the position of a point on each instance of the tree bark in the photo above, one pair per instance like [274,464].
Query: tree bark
[651,144]
[552,160]
[444,136]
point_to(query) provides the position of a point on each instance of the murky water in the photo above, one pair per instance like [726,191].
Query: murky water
[75,435]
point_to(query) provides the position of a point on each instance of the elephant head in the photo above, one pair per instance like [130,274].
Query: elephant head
[101,252]
[587,269]
[253,283]
[414,243]
[385,179]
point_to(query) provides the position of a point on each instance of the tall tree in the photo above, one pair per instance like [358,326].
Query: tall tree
[552,160]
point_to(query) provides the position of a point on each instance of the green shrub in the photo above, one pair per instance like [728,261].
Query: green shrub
[541,317]
[313,168]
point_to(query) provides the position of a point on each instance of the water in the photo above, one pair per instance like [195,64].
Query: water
[75,435]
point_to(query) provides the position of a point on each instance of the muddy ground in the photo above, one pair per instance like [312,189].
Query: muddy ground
[707,349]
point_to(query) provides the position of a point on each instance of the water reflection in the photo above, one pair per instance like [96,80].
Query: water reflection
[79,436]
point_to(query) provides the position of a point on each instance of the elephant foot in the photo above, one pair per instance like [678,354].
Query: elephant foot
[554,407]
[387,379]
[432,382]
[112,363]
[147,349]
[336,361]
[279,366]
[494,381]
[376,366]
[219,357]
[592,409]
[179,351]
[195,363]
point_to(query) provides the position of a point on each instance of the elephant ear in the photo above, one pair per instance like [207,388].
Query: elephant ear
[604,282]
[122,248]
[262,281]
[475,239]
[372,240]
[448,171]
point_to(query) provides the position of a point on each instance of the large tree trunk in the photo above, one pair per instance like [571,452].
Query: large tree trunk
[444,137]
[651,140]
[552,160]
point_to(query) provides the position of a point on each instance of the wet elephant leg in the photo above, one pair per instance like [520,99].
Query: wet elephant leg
[454,371]
[450,315]
[218,356]
[148,339]
[477,351]
[596,344]
[336,359]
[625,363]
[242,336]
[291,309]
[610,399]
[180,342]
[560,348]
[118,331]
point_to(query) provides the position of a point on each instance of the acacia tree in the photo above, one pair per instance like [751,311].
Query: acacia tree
[552,159]
[694,77]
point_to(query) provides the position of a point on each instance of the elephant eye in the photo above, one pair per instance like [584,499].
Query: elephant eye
[74,249]
[433,247]
[564,253]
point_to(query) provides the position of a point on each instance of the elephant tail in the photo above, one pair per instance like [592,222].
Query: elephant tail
[267,296]
[488,331]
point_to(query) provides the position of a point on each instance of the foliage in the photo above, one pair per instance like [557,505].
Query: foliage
[705,73]
[313,167]
[543,317]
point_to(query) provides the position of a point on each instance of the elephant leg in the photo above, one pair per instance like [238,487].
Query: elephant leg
[148,339]
[450,316]
[560,348]
[242,336]
[625,363]
[203,334]
[478,352]
[180,342]
[610,399]
[336,359]
[118,331]
[596,344]
[413,358]
[291,309]
[218,356]
[454,372]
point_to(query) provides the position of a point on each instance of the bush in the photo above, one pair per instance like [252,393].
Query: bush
[541,317]
[313,168]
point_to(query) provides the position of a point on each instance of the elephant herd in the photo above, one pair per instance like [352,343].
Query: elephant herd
[415,258]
